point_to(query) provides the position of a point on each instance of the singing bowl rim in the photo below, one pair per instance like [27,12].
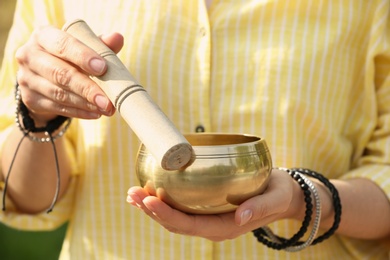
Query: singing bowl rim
[233,138]
[220,145]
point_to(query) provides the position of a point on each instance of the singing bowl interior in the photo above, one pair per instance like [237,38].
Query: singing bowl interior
[227,170]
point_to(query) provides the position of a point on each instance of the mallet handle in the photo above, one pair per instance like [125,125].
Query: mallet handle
[135,105]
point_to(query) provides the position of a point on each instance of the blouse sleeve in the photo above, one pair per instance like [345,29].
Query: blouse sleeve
[374,163]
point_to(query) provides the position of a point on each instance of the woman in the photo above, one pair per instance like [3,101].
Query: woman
[310,77]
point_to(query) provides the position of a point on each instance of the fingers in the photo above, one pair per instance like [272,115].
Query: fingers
[258,211]
[273,204]
[45,98]
[213,227]
[66,47]
[161,212]
[62,83]
[54,71]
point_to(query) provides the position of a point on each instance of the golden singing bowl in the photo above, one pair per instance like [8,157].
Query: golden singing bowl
[227,170]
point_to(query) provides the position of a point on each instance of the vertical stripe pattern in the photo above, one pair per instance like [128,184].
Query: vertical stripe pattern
[311,77]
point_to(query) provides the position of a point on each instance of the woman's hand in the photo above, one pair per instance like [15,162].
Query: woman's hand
[277,202]
[53,76]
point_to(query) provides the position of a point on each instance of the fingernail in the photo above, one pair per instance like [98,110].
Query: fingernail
[102,102]
[92,115]
[246,215]
[97,65]
[134,200]
[130,200]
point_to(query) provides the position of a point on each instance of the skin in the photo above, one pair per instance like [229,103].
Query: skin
[53,81]
[365,215]
[53,78]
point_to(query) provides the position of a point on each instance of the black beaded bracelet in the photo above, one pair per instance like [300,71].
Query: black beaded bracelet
[336,202]
[29,124]
[262,235]
[29,127]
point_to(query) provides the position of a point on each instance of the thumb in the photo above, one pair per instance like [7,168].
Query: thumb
[274,202]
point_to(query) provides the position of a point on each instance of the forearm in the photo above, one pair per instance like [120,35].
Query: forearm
[53,81]
[33,179]
[365,208]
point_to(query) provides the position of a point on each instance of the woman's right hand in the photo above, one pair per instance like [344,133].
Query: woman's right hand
[53,76]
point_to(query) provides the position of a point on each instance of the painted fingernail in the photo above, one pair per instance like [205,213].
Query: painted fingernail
[102,102]
[97,65]
[246,215]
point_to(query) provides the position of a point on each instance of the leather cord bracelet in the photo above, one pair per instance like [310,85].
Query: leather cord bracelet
[28,128]
[265,235]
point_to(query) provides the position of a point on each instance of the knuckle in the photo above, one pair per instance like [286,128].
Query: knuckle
[63,44]
[88,91]
[21,78]
[29,101]
[63,110]
[60,95]
[62,76]
[24,55]
[262,210]
[69,48]
[21,55]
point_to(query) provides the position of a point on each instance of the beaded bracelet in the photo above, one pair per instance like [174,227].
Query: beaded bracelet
[29,127]
[264,234]
[316,224]
[336,202]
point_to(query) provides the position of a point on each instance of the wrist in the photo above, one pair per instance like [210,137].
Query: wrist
[28,126]
[41,120]
[328,213]
[297,208]
[267,237]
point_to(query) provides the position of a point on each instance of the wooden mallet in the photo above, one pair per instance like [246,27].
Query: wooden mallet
[134,104]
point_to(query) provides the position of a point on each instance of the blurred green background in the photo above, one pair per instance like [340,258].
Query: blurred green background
[16,244]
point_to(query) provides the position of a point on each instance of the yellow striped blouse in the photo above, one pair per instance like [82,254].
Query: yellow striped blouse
[311,77]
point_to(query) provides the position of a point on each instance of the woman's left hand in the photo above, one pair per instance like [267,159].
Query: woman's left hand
[277,202]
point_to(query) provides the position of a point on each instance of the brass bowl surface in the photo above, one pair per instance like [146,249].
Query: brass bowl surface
[227,170]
